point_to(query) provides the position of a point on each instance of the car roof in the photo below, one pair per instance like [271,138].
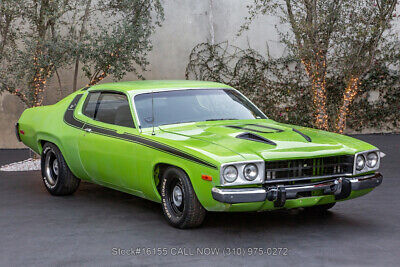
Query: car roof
[157,84]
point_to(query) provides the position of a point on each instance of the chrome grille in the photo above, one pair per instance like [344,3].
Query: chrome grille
[299,168]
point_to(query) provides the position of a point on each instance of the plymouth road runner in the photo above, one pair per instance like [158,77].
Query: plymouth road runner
[194,147]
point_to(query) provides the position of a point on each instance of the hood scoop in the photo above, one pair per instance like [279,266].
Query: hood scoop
[302,134]
[255,137]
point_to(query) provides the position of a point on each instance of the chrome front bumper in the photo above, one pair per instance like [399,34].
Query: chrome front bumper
[340,187]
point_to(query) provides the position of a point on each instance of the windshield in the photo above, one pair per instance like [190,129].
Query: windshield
[180,106]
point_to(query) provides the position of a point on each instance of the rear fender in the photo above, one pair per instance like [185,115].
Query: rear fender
[46,137]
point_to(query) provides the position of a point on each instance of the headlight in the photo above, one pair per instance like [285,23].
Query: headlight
[360,162]
[250,172]
[230,174]
[366,161]
[242,173]
[372,159]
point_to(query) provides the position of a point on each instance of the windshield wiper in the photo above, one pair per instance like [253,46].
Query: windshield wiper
[222,119]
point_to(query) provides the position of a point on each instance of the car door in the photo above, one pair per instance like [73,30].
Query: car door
[106,157]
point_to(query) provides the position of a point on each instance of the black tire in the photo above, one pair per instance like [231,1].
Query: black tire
[57,177]
[320,208]
[190,213]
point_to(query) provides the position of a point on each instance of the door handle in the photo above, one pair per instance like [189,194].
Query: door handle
[88,130]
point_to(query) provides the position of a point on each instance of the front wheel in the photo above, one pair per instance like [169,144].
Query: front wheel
[57,177]
[179,201]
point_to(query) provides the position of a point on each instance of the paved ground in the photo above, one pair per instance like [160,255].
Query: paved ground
[38,229]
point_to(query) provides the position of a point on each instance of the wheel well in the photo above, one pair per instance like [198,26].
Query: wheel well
[41,143]
[158,171]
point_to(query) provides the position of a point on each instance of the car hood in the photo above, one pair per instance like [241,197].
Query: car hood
[266,139]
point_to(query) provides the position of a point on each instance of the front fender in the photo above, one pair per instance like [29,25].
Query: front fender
[194,171]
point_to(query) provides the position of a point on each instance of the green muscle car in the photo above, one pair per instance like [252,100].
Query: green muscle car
[194,147]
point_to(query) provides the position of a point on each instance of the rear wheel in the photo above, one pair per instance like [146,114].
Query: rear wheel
[179,201]
[320,208]
[57,177]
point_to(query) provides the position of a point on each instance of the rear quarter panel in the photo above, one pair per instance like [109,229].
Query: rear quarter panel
[45,124]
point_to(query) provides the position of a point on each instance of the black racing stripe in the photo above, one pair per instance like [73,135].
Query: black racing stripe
[148,143]
[70,119]
[69,113]
[302,134]
[169,149]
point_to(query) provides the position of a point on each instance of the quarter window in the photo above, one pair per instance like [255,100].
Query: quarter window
[107,107]
[90,104]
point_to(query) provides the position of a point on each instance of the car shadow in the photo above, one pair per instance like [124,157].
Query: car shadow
[235,221]
[271,219]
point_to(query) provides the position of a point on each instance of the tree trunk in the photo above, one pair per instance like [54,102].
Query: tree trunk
[316,72]
[319,100]
[76,70]
[4,35]
[348,97]
[97,78]
[38,84]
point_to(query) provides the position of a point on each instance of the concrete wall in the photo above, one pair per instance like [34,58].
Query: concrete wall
[187,23]
[190,22]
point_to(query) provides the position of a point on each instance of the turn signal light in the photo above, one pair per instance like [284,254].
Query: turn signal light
[206,177]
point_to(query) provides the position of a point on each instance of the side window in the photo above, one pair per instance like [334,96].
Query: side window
[112,108]
[89,107]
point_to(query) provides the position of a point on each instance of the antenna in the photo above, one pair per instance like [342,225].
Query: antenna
[152,111]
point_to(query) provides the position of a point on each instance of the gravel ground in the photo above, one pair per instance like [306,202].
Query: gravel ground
[29,164]
[88,228]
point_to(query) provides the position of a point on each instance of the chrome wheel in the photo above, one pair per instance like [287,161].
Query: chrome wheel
[55,167]
[177,196]
[51,168]
[57,177]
